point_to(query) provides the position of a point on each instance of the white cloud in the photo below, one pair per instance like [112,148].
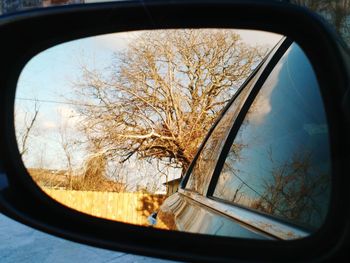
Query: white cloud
[262,106]
[50,121]
[19,117]
[254,37]
[66,112]
[48,125]
[115,41]
[67,119]
[120,41]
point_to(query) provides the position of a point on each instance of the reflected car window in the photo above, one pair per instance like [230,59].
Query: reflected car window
[205,164]
[279,163]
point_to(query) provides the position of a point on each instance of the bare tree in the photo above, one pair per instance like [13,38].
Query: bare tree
[164,93]
[293,189]
[67,145]
[29,122]
[93,176]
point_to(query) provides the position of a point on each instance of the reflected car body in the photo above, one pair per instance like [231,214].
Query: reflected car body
[263,171]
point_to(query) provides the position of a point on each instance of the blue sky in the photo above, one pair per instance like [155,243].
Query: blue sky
[48,78]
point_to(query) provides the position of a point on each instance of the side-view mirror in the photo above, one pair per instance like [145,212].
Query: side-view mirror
[192,131]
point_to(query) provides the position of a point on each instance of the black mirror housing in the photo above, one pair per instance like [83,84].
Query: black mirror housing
[26,34]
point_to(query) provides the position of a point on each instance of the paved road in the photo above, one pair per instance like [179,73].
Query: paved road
[19,243]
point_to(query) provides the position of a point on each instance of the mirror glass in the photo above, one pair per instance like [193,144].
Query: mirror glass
[109,125]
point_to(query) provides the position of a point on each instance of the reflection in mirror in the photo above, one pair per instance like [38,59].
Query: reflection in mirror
[285,136]
[108,125]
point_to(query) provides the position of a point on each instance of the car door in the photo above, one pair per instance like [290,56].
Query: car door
[179,210]
[264,172]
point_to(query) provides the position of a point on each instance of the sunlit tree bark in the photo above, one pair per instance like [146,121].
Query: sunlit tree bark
[163,93]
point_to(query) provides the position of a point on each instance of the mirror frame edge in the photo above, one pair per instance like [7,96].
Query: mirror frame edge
[21,187]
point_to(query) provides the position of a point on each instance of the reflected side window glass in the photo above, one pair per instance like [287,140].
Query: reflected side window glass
[279,163]
[205,164]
